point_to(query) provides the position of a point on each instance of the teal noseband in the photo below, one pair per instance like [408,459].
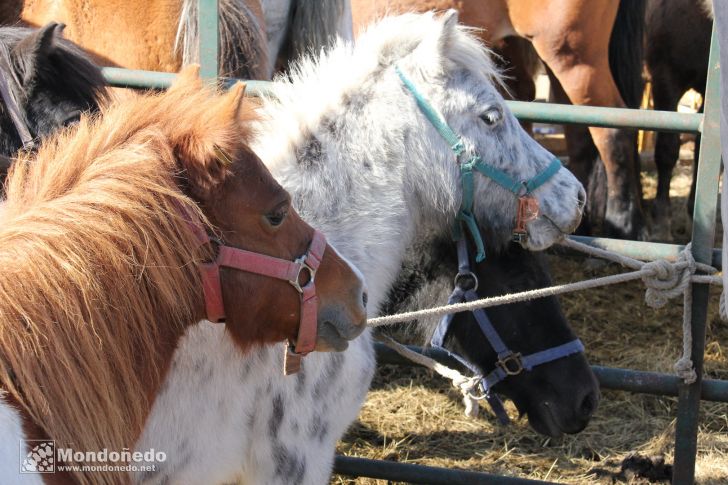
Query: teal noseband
[465,214]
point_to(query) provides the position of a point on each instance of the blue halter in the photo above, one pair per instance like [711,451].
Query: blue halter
[465,214]
[509,363]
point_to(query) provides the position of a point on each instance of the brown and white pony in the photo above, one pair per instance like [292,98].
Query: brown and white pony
[100,264]
[572,37]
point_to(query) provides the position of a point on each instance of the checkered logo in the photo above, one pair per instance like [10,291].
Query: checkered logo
[40,457]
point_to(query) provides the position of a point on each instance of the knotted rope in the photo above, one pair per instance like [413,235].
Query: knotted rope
[466,385]
[664,280]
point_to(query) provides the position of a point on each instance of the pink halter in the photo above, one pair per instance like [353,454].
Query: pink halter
[231,257]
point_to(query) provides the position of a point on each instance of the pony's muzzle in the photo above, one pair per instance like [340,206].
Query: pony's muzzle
[338,324]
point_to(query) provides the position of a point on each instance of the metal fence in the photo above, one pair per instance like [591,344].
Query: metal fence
[703,236]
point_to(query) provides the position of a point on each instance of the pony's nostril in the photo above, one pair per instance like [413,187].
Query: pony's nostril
[581,197]
[588,405]
[364,298]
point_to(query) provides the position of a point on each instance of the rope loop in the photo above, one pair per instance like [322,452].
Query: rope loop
[684,370]
[467,387]
[665,280]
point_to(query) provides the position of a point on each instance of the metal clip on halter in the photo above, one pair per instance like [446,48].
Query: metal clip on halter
[296,282]
[512,363]
[466,281]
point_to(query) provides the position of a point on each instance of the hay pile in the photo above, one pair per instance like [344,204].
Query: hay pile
[412,416]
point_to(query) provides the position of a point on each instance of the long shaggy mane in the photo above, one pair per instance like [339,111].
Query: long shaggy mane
[98,266]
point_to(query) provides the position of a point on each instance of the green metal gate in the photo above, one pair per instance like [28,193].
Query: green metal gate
[703,235]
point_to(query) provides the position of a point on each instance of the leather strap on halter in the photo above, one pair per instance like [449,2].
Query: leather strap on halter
[261,264]
[15,114]
[509,363]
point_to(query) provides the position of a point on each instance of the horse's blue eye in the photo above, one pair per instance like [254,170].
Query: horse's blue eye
[492,116]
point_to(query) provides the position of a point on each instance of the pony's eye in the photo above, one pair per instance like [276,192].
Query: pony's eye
[275,219]
[492,116]
[72,118]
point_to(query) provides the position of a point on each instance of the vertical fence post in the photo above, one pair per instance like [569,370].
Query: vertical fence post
[207,26]
[706,195]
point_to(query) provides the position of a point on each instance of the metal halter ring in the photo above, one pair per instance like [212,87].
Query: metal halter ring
[512,364]
[467,277]
[302,266]
[519,237]
[523,189]
[481,389]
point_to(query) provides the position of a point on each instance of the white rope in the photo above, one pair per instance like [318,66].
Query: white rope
[664,280]
[466,385]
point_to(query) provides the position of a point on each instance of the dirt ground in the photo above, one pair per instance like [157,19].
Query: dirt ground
[412,416]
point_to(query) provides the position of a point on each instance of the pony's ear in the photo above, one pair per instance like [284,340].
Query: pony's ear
[449,22]
[33,51]
[449,19]
[230,105]
[206,153]
[187,78]
[434,47]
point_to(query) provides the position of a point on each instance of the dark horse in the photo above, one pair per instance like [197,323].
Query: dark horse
[558,397]
[677,46]
[51,80]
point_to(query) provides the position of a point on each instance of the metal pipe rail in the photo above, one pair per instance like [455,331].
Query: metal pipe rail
[609,377]
[541,112]
[702,247]
[406,472]
[644,251]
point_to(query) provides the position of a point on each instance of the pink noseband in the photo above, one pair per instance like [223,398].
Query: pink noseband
[290,271]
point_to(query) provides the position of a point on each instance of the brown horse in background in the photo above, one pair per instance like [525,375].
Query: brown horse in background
[100,260]
[572,37]
[257,37]
[152,35]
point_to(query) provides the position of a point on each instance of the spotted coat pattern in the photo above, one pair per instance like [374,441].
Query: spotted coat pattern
[366,168]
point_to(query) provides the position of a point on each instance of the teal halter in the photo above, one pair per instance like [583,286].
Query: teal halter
[465,214]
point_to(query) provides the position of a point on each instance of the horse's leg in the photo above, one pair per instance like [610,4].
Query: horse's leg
[575,47]
[583,157]
[666,93]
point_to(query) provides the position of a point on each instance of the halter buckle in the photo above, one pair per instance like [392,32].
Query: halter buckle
[519,237]
[528,210]
[291,360]
[511,364]
[296,283]
[466,281]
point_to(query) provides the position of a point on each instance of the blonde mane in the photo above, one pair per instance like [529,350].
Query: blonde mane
[98,267]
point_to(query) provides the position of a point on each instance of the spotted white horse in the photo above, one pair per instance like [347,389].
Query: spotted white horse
[364,164]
